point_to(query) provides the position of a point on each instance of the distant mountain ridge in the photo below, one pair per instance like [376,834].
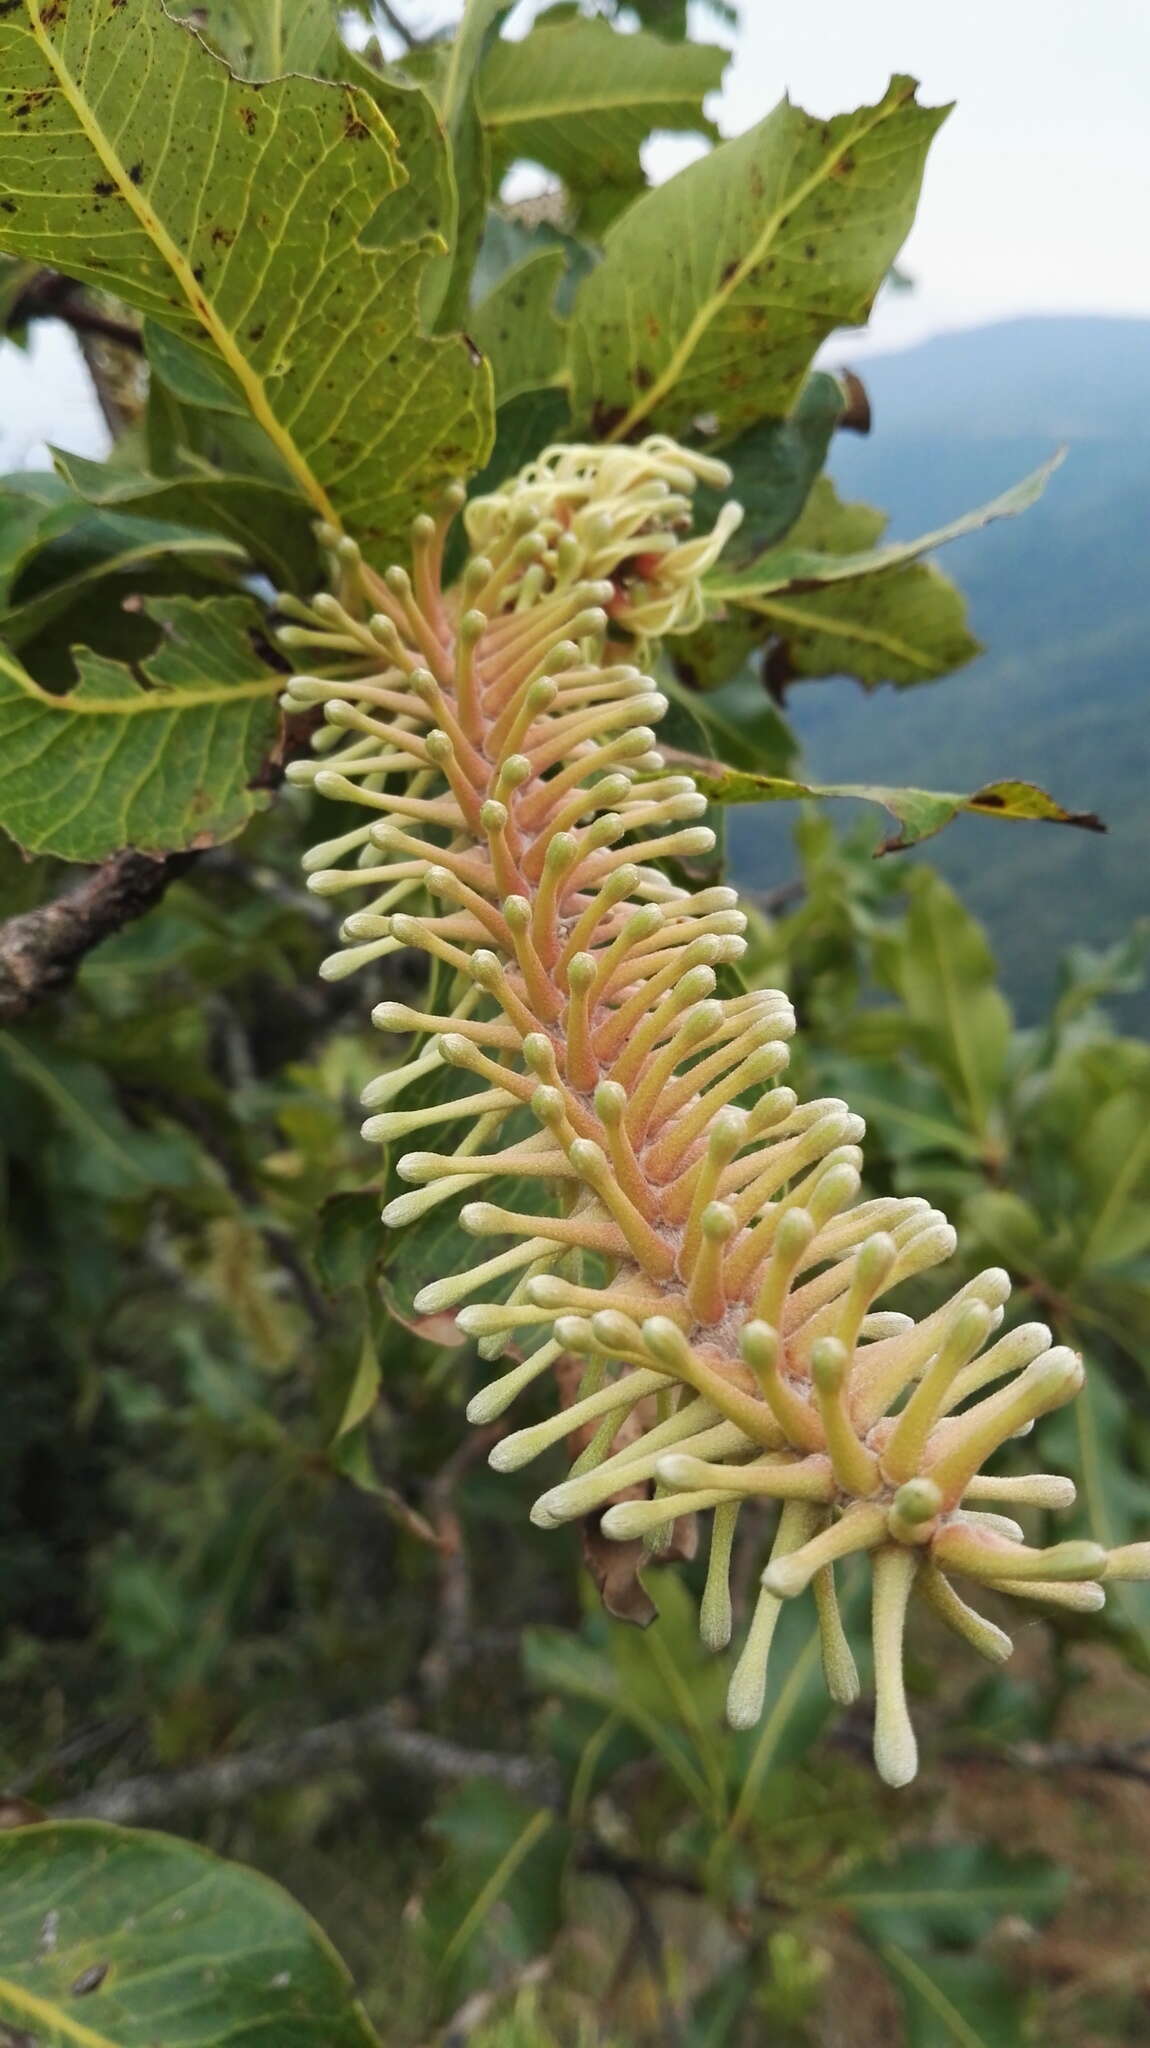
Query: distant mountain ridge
[1061,599]
[1038,375]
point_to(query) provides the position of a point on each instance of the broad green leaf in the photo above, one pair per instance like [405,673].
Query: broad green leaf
[1091,1439]
[56,552]
[160,759]
[773,466]
[738,725]
[805,568]
[97,1148]
[499,1898]
[34,506]
[114,1938]
[251,221]
[558,1661]
[265,38]
[921,1910]
[906,1110]
[580,97]
[508,241]
[945,973]
[105,553]
[905,625]
[717,288]
[517,328]
[951,2001]
[1111,1151]
[953,1892]
[448,72]
[267,521]
[522,427]
[920,812]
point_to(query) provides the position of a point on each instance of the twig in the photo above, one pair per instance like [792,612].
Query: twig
[337,1745]
[1117,1759]
[51,297]
[406,35]
[452,1640]
[41,950]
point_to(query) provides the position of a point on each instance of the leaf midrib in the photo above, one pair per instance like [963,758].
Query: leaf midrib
[1116,1194]
[160,697]
[677,363]
[518,114]
[25,2005]
[224,341]
[904,1965]
[837,629]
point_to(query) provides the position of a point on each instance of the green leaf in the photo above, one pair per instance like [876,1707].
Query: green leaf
[580,97]
[251,222]
[738,725]
[56,552]
[916,1911]
[920,812]
[499,1899]
[517,328]
[508,241]
[267,520]
[449,72]
[906,625]
[523,426]
[1090,1439]
[428,204]
[944,972]
[953,2001]
[773,466]
[557,1661]
[262,40]
[804,568]
[717,288]
[34,507]
[160,758]
[953,1893]
[1111,1151]
[797,1705]
[114,1938]
[97,1148]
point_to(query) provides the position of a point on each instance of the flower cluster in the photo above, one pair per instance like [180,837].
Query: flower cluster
[700,1238]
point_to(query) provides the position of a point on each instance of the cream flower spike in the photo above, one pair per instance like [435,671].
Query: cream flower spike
[701,1240]
[606,507]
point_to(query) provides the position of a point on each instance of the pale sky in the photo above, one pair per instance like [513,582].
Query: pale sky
[1037,192]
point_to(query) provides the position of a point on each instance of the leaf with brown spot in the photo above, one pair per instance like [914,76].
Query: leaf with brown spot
[920,812]
[720,251]
[125,759]
[367,414]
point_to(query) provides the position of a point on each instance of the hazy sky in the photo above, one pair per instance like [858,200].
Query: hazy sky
[1037,193]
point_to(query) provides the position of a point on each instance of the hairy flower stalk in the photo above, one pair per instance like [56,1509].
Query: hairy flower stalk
[700,1238]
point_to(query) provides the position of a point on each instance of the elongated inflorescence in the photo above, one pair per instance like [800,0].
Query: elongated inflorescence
[699,1236]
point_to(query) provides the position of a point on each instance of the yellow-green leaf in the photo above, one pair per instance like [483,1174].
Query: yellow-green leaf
[116,1938]
[920,812]
[518,329]
[717,288]
[160,759]
[252,221]
[796,566]
[580,97]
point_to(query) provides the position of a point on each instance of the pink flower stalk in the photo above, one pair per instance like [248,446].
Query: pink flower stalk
[701,1241]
